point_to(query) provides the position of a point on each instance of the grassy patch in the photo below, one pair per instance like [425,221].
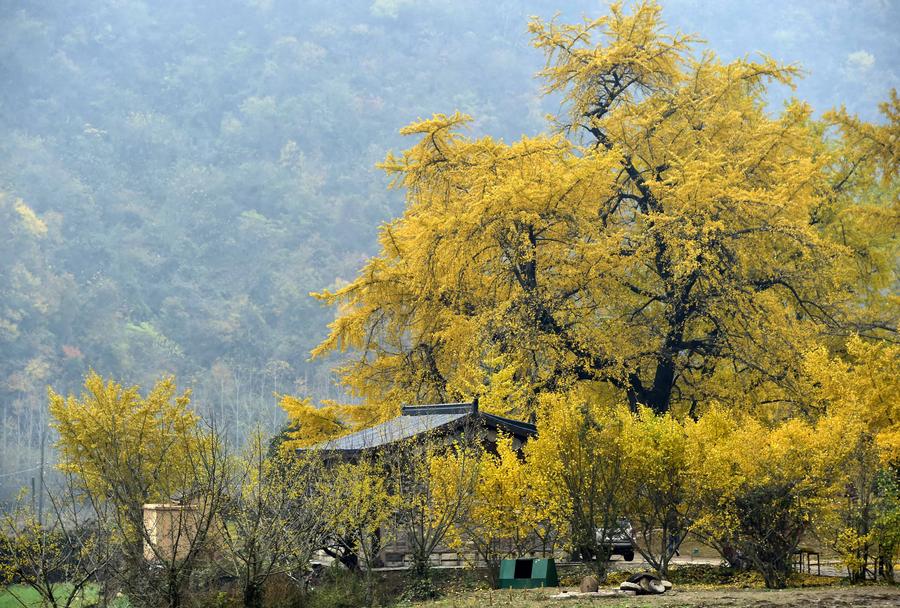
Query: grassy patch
[30,597]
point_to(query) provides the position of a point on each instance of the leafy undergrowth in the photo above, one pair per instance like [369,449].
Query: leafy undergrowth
[468,588]
[706,576]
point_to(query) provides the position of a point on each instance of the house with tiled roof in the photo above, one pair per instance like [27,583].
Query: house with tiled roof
[449,421]
[440,423]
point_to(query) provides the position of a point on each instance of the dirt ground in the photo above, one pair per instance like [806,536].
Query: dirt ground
[844,597]
[819,597]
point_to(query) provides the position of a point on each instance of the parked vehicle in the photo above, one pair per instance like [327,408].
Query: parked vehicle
[618,540]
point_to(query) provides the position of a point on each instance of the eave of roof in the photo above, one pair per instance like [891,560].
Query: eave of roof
[516,427]
[393,430]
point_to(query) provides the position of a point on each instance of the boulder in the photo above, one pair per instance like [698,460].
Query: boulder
[589,584]
[645,583]
[652,586]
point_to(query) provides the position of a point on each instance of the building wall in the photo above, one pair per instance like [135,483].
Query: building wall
[171,529]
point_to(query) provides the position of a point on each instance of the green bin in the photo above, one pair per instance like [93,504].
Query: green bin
[528,573]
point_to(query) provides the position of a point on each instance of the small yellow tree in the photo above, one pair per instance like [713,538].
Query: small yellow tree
[662,499]
[273,516]
[435,484]
[507,515]
[762,487]
[360,511]
[58,558]
[127,450]
[858,393]
[578,459]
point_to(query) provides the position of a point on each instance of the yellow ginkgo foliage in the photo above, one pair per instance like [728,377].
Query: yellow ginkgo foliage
[673,241]
[857,396]
[762,486]
[129,448]
[579,462]
[434,478]
[359,510]
[508,514]
[310,425]
[864,386]
[663,457]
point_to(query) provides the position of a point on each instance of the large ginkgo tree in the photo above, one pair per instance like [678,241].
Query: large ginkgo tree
[671,240]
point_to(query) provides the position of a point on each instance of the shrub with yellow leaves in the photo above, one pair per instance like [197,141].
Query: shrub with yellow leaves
[763,486]
[857,395]
[272,519]
[359,509]
[508,513]
[39,550]
[126,450]
[434,481]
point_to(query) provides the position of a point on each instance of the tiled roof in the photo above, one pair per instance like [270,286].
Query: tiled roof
[416,420]
[401,427]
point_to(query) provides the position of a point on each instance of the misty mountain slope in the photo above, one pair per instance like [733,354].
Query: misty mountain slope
[199,167]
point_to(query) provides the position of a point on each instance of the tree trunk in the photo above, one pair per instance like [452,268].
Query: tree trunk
[174,593]
[253,595]
[421,568]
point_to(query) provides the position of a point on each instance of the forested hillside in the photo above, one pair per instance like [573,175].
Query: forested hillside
[176,177]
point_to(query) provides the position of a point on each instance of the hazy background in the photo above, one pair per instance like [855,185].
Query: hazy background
[200,167]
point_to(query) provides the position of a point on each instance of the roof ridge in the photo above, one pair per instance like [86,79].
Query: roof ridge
[439,408]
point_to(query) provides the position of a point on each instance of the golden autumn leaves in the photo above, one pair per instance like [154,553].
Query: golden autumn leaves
[673,240]
[675,244]
[693,296]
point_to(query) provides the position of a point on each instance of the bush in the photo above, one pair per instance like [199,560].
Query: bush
[705,574]
[214,599]
[770,527]
[340,588]
[281,591]
[419,588]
